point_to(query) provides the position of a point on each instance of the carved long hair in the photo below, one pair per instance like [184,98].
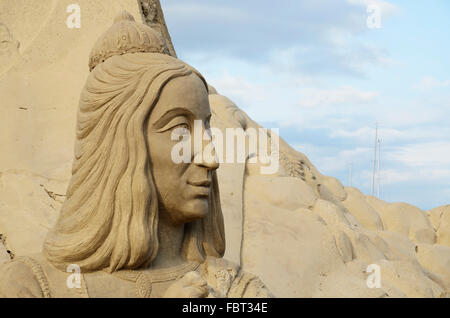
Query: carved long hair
[110,217]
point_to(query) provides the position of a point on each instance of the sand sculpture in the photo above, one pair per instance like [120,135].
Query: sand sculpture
[134,222]
[302,233]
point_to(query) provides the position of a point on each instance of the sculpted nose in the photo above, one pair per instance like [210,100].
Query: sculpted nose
[210,160]
[207,157]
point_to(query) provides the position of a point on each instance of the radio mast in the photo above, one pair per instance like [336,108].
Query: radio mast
[379,171]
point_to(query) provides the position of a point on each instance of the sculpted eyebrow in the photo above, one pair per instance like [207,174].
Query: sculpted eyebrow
[170,114]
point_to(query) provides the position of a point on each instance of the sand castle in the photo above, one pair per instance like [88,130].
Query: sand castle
[302,233]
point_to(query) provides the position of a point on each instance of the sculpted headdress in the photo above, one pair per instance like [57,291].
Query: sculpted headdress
[126,36]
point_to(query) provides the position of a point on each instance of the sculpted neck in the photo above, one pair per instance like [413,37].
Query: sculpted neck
[170,243]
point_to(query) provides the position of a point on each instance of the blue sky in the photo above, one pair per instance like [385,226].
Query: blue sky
[315,70]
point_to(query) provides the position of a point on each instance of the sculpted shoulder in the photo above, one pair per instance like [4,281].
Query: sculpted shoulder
[17,280]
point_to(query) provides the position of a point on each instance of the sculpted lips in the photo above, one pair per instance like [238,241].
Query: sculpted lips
[203,183]
[201,187]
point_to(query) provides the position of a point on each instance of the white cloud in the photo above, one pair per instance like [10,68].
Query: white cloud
[433,153]
[330,162]
[390,135]
[310,150]
[319,37]
[446,191]
[213,12]
[236,87]
[391,176]
[363,133]
[313,97]
[429,82]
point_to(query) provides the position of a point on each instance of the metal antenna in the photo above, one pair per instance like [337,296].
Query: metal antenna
[374,159]
[379,173]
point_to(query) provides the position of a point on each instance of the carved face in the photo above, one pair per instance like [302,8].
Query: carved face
[183,188]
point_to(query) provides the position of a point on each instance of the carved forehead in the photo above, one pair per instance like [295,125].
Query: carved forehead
[187,92]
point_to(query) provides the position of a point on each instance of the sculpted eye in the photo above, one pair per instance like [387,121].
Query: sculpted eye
[182,125]
[179,125]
